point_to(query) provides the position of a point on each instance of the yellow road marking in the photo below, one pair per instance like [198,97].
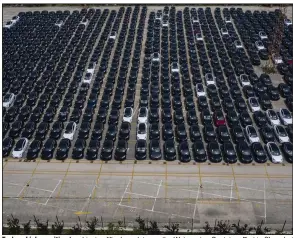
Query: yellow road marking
[132,174]
[28,182]
[199,174]
[236,187]
[82,213]
[59,191]
[97,181]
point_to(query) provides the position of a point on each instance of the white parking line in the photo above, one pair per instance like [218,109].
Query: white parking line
[124,192]
[157,195]
[196,201]
[29,186]
[143,195]
[53,192]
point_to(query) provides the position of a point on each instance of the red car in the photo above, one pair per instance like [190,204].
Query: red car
[219,118]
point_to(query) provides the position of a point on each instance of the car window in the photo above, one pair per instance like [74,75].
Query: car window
[19,145]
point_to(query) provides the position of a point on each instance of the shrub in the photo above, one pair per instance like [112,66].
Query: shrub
[57,227]
[13,226]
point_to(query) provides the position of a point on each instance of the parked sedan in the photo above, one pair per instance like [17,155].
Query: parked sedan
[63,149]
[169,150]
[7,145]
[281,134]
[48,149]
[93,149]
[267,134]
[251,134]
[285,116]
[274,152]
[20,147]
[121,150]
[183,152]
[287,149]
[209,133]
[253,104]
[107,150]
[214,152]
[244,152]
[199,152]
[140,150]
[229,153]
[155,150]
[34,149]
[258,152]
[272,117]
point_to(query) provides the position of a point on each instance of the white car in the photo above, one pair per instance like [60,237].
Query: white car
[224,31]
[9,24]
[259,45]
[141,131]
[70,130]
[113,35]
[287,22]
[20,147]
[175,67]
[238,44]
[199,90]
[244,80]
[251,134]
[262,35]
[274,152]
[128,113]
[8,100]
[91,67]
[84,21]
[87,78]
[142,115]
[209,78]
[165,23]
[253,104]
[156,57]
[199,37]
[228,20]
[281,134]
[286,117]
[59,23]
[272,117]
[15,19]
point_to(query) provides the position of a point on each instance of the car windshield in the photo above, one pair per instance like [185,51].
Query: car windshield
[9,23]
[275,150]
[282,131]
[286,114]
[141,129]
[88,76]
[19,145]
[69,129]
[273,115]
[142,112]
[6,98]
[127,112]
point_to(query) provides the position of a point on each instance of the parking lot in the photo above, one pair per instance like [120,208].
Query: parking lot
[113,190]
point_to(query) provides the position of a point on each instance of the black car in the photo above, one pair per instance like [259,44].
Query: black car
[7,145]
[42,130]
[181,134]
[166,115]
[63,149]
[92,150]
[209,133]
[48,149]
[287,149]
[97,131]
[168,131]
[223,134]
[107,149]
[245,118]
[206,117]
[285,90]
[15,129]
[240,105]
[153,115]
[232,118]
[237,134]
[273,93]
[202,103]
[260,118]
[154,131]
[267,134]
[56,130]
[114,117]
[121,150]
[78,149]
[5,127]
[140,150]
[49,114]
[199,152]
[183,152]
[229,153]
[63,114]
[214,152]
[29,130]
[169,150]
[155,150]
[34,149]
[84,130]
[191,117]
[124,132]
[265,102]
[244,152]
[258,152]
[178,117]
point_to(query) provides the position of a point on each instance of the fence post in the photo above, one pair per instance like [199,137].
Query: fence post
[102,222]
